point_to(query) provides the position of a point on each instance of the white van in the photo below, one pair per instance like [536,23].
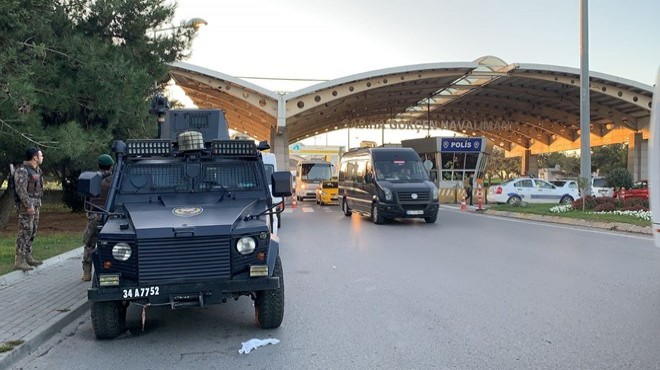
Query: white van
[600,187]
[270,165]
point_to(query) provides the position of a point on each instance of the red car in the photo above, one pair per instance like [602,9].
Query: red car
[640,190]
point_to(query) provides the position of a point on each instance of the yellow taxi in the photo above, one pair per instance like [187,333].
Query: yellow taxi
[327,192]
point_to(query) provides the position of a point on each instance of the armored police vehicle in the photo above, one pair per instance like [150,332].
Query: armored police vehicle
[187,223]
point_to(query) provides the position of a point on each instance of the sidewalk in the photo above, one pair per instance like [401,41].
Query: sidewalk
[35,305]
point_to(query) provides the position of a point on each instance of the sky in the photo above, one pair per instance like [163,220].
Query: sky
[324,40]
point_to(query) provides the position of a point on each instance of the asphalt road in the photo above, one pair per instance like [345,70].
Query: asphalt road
[470,292]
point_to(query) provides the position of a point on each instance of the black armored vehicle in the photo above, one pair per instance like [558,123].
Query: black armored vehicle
[187,223]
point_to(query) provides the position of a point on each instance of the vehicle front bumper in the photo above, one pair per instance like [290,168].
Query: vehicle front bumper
[212,292]
[393,210]
[329,197]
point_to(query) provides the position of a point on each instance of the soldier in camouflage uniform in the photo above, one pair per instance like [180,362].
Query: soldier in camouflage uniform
[29,183]
[105,163]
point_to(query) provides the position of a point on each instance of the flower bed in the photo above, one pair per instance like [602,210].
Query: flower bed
[604,205]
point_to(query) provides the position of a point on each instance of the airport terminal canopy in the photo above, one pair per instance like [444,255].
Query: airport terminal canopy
[518,106]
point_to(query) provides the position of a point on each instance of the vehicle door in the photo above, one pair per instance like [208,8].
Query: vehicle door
[524,189]
[545,192]
[363,195]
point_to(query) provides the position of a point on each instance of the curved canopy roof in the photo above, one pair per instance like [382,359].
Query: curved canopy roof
[515,105]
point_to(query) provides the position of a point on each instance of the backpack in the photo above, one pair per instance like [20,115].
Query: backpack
[12,185]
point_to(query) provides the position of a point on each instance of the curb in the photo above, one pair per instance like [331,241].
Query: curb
[612,226]
[16,276]
[35,338]
[38,337]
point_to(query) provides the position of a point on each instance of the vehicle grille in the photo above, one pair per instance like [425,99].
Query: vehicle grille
[414,207]
[184,259]
[406,196]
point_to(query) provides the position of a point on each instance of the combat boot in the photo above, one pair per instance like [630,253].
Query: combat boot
[31,260]
[19,263]
[87,272]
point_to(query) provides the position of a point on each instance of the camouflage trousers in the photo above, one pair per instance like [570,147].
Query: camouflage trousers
[27,230]
[91,236]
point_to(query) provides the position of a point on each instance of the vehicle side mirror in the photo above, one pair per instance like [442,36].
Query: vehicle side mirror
[282,183]
[89,183]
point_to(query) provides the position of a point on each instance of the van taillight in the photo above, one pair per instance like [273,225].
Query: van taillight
[499,190]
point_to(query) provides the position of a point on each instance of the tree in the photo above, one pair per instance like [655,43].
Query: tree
[568,163]
[77,74]
[501,167]
[620,178]
[606,158]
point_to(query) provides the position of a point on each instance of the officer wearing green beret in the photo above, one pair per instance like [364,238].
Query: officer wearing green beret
[105,163]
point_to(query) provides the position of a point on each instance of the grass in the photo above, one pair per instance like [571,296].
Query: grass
[544,209]
[44,247]
[9,345]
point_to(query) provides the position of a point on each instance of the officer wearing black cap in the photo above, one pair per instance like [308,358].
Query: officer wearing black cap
[105,163]
[29,183]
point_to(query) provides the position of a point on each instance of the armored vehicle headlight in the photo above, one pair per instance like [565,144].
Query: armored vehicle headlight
[121,251]
[435,193]
[246,245]
[388,193]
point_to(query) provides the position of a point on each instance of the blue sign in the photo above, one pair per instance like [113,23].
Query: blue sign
[461,144]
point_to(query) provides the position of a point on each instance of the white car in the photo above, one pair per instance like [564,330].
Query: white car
[600,187]
[566,184]
[531,190]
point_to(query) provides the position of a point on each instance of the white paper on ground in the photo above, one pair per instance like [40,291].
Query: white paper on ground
[254,343]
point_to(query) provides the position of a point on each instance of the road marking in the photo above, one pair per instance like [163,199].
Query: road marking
[307,209]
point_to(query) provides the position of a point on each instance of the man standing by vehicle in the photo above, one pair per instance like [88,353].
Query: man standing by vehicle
[28,180]
[105,163]
[467,185]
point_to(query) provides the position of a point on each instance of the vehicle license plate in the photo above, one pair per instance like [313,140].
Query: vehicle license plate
[415,212]
[602,191]
[141,292]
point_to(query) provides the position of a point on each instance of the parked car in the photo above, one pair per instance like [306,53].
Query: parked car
[531,190]
[600,187]
[639,190]
[566,184]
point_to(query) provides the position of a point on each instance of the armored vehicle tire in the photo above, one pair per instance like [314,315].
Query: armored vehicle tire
[344,208]
[376,216]
[269,304]
[431,219]
[108,319]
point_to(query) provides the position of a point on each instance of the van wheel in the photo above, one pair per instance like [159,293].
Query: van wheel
[376,217]
[344,208]
[431,219]
[269,304]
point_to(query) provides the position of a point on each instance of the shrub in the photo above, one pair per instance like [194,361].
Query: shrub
[589,203]
[635,204]
[620,177]
[605,207]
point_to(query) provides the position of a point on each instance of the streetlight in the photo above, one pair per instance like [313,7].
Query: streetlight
[194,23]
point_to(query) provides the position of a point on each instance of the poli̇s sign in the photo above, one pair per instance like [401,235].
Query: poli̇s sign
[461,144]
